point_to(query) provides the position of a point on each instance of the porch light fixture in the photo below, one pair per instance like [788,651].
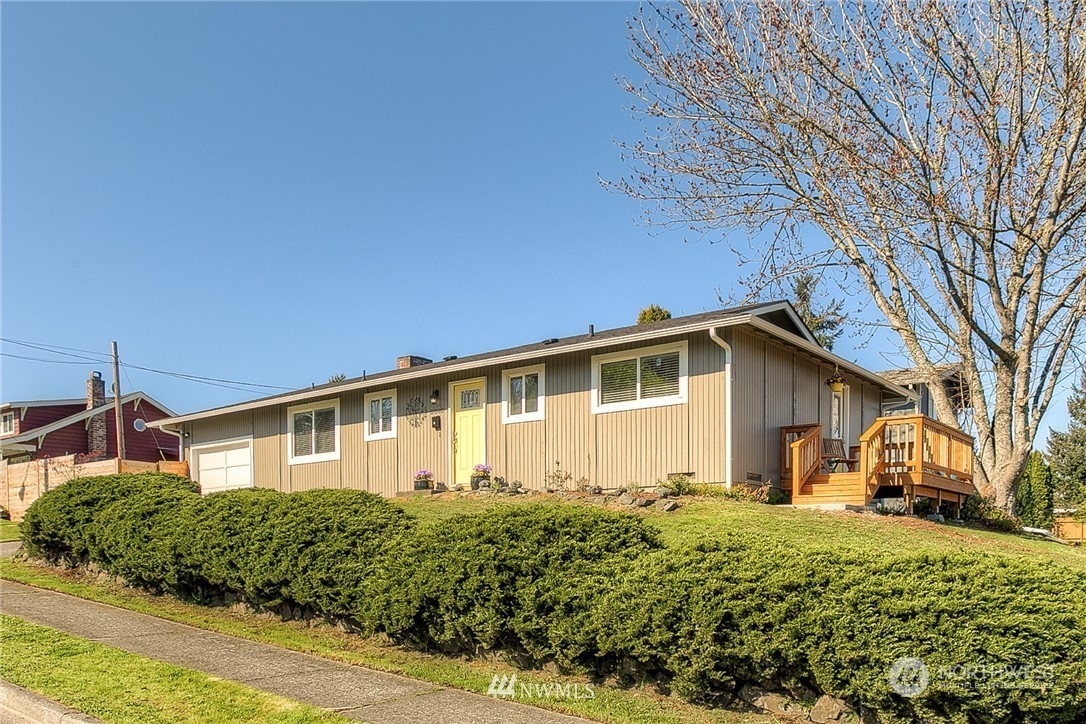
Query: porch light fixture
[835,381]
[435,397]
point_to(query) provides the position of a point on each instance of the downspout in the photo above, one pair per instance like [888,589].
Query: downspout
[713,335]
[180,435]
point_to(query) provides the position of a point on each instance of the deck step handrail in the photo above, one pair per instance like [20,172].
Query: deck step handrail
[806,453]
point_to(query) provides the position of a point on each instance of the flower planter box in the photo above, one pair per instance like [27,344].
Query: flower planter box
[423,484]
[476,479]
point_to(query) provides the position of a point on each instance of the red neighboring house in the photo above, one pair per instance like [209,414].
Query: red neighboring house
[39,429]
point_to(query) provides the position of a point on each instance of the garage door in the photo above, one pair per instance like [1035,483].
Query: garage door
[227,467]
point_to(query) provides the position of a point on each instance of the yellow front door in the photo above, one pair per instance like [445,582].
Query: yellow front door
[469,432]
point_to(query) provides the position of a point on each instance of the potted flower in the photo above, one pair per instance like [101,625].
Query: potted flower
[424,479]
[835,381]
[479,473]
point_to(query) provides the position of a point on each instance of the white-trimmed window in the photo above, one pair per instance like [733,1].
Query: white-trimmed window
[7,423]
[646,377]
[313,432]
[523,394]
[380,410]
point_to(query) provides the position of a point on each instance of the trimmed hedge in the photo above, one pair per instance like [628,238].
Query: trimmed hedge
[60,525]
[596,591]
[516,578]
[322,551]
[752,610]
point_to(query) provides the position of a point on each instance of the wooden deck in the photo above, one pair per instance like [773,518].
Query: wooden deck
[898,457]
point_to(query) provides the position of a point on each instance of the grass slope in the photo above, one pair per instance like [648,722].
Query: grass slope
[703,520]
[117,686]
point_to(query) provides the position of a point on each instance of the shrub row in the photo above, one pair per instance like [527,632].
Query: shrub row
[597,592]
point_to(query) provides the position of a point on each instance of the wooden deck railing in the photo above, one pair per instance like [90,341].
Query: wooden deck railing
[915,444]
[806,454]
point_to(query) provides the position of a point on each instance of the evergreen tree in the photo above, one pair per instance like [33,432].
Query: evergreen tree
[825,323]
[1033,496]
[652,313]
[1067,453]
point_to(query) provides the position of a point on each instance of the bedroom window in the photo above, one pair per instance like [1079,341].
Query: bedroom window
[7,423]
[523,394]
[648,377]
[380,415]
[314,432]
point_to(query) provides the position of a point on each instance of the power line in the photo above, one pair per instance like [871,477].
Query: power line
[55,349]
[52,346]
[46,348]
[39,359]
[199,378]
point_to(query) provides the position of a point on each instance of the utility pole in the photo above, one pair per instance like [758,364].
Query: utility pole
[117,407]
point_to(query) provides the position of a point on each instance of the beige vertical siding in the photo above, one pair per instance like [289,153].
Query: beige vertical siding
[780,400]
[213,429]
[269,447]
[569,427]
[748,410]
[871,405]
[354,457]
[808,390]
[708,397]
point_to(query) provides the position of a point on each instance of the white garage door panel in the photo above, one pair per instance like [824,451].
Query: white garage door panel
[224,468]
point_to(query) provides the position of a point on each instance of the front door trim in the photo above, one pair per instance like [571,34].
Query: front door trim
[481,381]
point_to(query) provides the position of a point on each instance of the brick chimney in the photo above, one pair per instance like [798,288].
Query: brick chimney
[96,430]
[411,360]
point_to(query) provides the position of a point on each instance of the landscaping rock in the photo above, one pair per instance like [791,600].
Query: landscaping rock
[935,518]
[772,702]
[828,709]
[666,505]
[643,502]
[625,499]
[663,492]
[596,500]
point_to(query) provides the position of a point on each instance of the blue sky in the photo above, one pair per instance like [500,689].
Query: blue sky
[276,193]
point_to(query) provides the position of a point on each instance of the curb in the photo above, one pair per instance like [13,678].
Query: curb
[19,706]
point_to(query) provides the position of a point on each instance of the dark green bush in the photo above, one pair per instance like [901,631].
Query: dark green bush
[145,539]
[320,550]
[519,578]
[58,526]
[751,610]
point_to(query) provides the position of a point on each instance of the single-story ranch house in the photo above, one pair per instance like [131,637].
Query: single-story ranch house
[734,396]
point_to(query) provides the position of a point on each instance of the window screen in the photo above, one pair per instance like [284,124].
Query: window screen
[618,381]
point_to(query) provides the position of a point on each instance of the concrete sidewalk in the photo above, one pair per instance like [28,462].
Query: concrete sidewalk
[353,691]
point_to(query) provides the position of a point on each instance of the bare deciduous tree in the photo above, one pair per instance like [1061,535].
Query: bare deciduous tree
[937,146]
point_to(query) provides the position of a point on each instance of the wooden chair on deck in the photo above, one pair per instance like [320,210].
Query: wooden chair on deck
[833,455]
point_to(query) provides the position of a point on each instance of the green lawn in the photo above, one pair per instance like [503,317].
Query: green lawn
[117,686]
[9,531]
[705,519]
